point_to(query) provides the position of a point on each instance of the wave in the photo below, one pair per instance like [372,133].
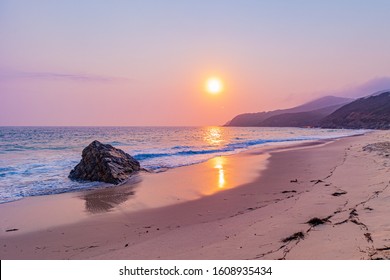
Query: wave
[187,151]
[19,148]
[151,155]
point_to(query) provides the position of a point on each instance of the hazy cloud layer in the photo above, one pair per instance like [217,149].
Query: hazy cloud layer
[53,76]
[370,87]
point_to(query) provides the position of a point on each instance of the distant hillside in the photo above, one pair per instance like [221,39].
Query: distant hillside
[321,102]
[301,119]
[252,119]
[372,112]
[261,118]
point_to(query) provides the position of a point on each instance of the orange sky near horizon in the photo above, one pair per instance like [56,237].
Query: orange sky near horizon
[145,63]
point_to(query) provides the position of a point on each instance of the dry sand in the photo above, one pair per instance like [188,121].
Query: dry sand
[254,205]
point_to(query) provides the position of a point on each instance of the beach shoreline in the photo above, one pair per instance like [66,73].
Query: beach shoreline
[269,196]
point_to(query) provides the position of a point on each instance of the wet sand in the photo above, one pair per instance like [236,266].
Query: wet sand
[254,205]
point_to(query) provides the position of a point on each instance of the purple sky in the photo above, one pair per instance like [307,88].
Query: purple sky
[145,62]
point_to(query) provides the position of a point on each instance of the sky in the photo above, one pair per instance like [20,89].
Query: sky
[142,62]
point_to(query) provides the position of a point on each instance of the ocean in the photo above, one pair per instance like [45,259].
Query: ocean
[37,160]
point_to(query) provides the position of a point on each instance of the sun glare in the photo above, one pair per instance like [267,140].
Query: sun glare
[214,86]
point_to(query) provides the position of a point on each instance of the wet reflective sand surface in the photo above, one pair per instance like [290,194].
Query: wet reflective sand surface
[143,191]
[151,190]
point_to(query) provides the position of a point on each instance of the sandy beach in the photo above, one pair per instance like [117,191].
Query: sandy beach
[323,200]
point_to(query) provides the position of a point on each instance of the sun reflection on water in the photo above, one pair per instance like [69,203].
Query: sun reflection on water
[213,135]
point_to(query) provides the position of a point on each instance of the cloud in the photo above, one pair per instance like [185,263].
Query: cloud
[57,76]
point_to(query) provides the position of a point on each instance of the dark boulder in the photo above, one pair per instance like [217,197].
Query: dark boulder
[104,163]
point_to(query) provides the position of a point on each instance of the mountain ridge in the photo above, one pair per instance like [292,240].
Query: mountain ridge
[300,119]
[370,112]
[255,119]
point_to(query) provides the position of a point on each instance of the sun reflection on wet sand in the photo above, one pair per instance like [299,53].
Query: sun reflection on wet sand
[177,185]
[219,161]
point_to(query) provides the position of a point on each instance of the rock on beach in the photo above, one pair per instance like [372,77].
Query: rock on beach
[104,163]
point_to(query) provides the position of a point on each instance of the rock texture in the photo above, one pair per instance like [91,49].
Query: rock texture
[104,163]
[372,112]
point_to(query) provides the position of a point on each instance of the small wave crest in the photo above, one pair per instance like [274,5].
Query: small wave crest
[185,155]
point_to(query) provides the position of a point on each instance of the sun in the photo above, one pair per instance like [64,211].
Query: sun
[214,86]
